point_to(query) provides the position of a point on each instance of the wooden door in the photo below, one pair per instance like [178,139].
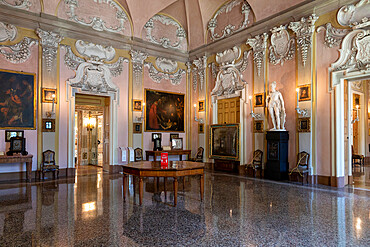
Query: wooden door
[228,111]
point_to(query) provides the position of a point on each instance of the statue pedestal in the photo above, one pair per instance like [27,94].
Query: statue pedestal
[277,166]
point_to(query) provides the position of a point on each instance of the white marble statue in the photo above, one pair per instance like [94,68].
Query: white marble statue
[275,105]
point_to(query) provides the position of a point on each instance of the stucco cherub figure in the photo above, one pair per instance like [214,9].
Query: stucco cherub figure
[275,105]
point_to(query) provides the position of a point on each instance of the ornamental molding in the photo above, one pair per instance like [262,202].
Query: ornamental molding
[96,22]
[357,85]
[258,44]
[304,30]
[214,69]
[50,42]
[93,74]
[229,29]
[95,52]
[333,36]
[355,15]
[8,32]
[138,58]
[166,65]
[158,76]
[165,41]
[18,53]
[20,4]
[200,70]
[282,46]
[229,78]
[354,52]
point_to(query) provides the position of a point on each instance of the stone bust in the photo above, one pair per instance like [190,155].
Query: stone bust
[275,105]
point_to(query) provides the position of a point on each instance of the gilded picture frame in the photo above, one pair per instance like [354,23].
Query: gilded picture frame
[201,105]
[304,92]
[224,142]
[201,128]
[137,105]
[304,124]
[48,125]
[47,95]
[137,128]
[259,100]
[17,100]
[258,126]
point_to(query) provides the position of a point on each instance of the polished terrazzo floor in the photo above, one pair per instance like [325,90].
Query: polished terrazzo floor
[237,211]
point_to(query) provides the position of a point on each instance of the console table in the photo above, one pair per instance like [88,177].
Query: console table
[175,169]
[156,154]
[4,159]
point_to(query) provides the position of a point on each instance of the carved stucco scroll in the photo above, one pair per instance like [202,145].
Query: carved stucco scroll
[258,44]
[333,36]
[168,69]
[8,32]
[355,15]
[96,22]
[229,29]
[304,30]
[19,4]
[18,53]
[282,46]
[50,42]
[165,42]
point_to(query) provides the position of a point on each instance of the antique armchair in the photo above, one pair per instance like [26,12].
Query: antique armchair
[357,159]
[302,166]
[48,164]
[256,163]
[138,154]
[199,155]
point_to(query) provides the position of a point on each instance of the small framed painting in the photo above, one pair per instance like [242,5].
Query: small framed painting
[47,95]
[304,93]
[137,129]
[173,135]
[176,143]
[257,126]
[201,105]
[259,100]
[304,125]
[48,125]
[201,128]
[137,105]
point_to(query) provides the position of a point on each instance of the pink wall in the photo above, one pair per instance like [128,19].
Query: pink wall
[285,76]
[166,86]
[323,129]
[30,66]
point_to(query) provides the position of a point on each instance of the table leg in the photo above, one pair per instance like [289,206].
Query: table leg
[180,157]
[28,171]
[201,186]
[141,190]
[164,186]
[124,186]
[175,185]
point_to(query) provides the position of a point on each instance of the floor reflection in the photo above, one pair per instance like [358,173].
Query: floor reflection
[236,211]
[361,176]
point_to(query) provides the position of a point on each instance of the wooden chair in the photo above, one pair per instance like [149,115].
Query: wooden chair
[138,154]
[301,169]
[357,159]
[256,163]
[48,164]
[199,156]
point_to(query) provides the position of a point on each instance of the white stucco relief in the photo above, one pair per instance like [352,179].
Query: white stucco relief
[50,42]
[19,4]
[8,32]
[137,59]
[18,53]
[333,36]
[229,78]
[355,15]
[167,69]
[165,42]
[200,66]
[93,73]
[282,46]
[229,29]
[96,22]
[258,44]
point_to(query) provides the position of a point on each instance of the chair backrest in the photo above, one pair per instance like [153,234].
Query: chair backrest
[199,155]
[303,159]
[138,154]
[257,156]
[48,157]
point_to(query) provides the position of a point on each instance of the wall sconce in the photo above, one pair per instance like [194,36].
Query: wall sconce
[356,119]
[303,112]
[51,113]
[196,119]
[141,118]
[90,123]
[254,115]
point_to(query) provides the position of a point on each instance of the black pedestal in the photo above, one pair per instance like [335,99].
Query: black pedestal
[277,166]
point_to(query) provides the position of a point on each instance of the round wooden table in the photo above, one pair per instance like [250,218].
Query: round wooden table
[174,169]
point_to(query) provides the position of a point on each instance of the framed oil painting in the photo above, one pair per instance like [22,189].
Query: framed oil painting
[176,144]
[304,124]
[224,141]
[137,105]
[164,111]
[137,128]
[48,125]
[17,100]
[259,100]
[201,105]
[47,95]
[304,93]
[257,126]
[201,128]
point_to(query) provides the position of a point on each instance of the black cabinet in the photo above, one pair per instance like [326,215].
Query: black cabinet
[277,166]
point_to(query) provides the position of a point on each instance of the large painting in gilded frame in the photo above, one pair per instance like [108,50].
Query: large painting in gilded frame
[224,141]
[164,111]
[17,100]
